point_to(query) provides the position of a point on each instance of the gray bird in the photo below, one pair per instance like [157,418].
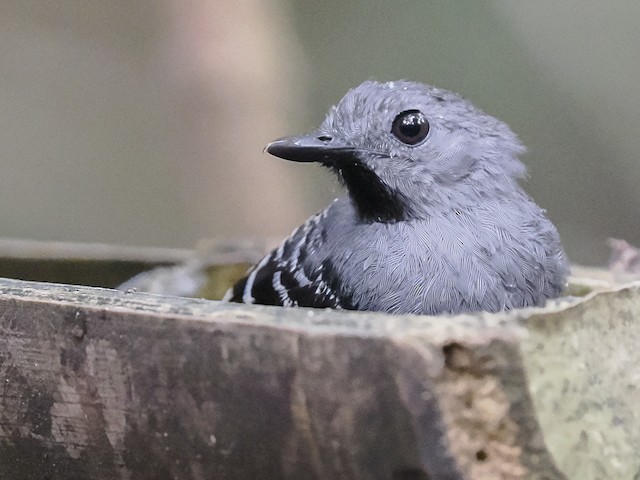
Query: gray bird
[434,220]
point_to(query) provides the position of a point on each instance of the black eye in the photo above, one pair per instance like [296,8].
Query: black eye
[410,127]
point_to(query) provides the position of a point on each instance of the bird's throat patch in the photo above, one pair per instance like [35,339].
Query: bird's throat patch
[374,200]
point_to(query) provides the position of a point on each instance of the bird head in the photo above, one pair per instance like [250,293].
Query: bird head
[405,150]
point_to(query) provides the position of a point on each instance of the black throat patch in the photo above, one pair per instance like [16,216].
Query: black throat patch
[374,200]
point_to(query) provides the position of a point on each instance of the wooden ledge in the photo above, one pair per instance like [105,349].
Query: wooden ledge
[104,384]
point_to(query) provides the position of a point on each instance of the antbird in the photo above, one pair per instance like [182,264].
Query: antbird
[434,220]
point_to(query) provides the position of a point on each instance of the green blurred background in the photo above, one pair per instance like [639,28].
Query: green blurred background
[143,123]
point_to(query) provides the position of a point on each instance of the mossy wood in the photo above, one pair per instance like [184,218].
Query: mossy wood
[101,384]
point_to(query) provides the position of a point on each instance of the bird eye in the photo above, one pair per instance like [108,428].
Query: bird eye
[410,127]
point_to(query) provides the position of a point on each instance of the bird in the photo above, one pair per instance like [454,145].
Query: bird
[433,222]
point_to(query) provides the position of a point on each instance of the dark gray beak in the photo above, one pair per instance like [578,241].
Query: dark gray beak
[311,148]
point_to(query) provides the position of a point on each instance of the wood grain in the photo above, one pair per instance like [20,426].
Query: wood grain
[103,384]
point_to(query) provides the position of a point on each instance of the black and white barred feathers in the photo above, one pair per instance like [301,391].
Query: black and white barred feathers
[286,277]
[434,220]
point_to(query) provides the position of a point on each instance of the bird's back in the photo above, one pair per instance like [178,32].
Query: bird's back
[490,257]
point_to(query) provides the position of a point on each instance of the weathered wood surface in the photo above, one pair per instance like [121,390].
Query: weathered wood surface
[100,384]
[79,263]
[205,272]
[202,271]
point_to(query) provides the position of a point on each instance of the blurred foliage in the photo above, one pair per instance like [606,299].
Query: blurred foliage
[96,142]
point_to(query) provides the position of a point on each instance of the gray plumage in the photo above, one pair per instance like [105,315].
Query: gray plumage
[434,220]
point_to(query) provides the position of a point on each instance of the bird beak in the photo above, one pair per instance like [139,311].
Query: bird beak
[312,148]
